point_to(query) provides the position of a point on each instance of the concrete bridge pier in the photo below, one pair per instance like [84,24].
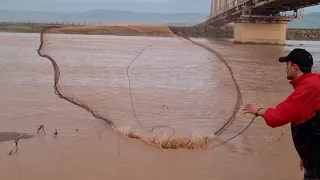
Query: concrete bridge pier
[260,31]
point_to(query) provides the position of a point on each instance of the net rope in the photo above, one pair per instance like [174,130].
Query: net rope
[170,142]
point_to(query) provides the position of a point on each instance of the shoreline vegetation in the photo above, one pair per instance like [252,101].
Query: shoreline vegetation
[198,31]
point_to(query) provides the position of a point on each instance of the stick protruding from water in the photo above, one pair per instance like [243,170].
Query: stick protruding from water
[15,145]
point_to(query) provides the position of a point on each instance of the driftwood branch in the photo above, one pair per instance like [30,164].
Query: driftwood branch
[280,137]
[15,145]
[269,137]
[119,151]
[41,128]
[55,133]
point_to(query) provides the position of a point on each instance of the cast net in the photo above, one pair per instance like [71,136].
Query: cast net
[147,82]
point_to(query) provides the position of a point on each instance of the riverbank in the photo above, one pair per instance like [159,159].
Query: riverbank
[202,31]
[227,32]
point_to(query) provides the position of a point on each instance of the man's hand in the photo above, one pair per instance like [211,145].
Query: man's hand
[253,109]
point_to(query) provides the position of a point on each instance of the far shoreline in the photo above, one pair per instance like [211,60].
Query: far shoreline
[198,31]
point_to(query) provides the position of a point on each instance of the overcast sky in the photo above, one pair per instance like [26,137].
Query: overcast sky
[198,6]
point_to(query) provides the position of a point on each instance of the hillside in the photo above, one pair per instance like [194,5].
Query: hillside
[310,21]
[104,16]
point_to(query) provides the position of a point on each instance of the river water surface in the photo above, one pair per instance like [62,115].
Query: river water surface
[174,84]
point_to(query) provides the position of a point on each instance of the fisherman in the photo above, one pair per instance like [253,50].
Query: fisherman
[301,109]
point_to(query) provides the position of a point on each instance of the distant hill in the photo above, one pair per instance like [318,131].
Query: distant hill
[104,16]
[309,21]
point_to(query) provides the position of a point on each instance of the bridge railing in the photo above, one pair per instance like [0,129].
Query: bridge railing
[237,3]
[227,7]
[292,14]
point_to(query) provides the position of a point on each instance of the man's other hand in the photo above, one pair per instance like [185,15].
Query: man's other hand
[251,108]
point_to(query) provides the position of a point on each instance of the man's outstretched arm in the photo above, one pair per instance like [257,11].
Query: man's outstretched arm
[290,110]
[273,117]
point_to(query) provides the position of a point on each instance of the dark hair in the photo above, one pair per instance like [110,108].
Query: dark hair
[305,69]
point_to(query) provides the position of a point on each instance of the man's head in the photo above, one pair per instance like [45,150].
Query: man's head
[299,61]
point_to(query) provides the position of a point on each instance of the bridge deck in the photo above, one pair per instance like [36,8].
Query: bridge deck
[257,8]
[276,6]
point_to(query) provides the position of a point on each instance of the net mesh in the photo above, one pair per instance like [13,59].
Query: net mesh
[102,74]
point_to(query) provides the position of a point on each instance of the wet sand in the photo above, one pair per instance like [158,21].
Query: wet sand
[174,83]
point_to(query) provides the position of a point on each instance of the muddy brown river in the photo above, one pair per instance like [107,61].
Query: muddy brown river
[174,85]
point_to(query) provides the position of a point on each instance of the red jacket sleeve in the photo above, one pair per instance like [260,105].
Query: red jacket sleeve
[293,109]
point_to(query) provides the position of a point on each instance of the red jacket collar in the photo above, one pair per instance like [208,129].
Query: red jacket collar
[295,82]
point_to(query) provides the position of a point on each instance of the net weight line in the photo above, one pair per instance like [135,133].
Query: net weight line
[74,101]
[239,98]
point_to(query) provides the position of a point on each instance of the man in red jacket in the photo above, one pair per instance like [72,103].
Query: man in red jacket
[301,109]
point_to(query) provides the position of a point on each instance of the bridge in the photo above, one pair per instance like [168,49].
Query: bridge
[258,21]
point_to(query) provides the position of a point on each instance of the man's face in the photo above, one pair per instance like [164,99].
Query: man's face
[291,70]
